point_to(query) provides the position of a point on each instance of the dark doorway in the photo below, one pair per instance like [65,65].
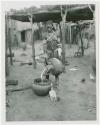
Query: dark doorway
[23,36]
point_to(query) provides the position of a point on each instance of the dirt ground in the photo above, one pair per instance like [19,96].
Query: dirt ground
[77,99]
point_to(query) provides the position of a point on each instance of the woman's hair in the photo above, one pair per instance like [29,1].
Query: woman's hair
[50,22]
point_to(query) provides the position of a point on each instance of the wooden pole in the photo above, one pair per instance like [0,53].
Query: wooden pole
[60,33]
[93,12]
[63,43]
[9,40]
[40,33]
[6,44]
[9,43]
[82,49]
[63,33]
[67,33]
[33,45]
[94,55]
[70,36]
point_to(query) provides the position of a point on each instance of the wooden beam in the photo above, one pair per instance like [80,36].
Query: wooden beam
[33,45]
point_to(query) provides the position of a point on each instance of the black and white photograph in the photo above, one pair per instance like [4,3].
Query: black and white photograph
[50,62]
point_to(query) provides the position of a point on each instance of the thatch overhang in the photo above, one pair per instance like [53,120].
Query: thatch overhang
[75,14]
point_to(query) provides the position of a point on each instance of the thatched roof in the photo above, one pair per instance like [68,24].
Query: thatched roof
[76,14]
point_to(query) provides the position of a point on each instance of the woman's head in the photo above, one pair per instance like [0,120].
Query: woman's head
[49,26]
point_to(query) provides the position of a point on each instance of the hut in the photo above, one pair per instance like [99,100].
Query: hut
[20,32]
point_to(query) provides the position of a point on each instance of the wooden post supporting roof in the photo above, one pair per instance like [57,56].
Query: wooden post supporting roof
[94,22]
[9,40]
[6,44]
[80,34]
[63,16]
[60,32]
[70,35]
[32,39]
[10,49]
[94,55]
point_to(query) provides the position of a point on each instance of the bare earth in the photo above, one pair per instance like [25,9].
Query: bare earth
[77,99]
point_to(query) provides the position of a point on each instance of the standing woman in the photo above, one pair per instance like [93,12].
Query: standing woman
[52,39]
